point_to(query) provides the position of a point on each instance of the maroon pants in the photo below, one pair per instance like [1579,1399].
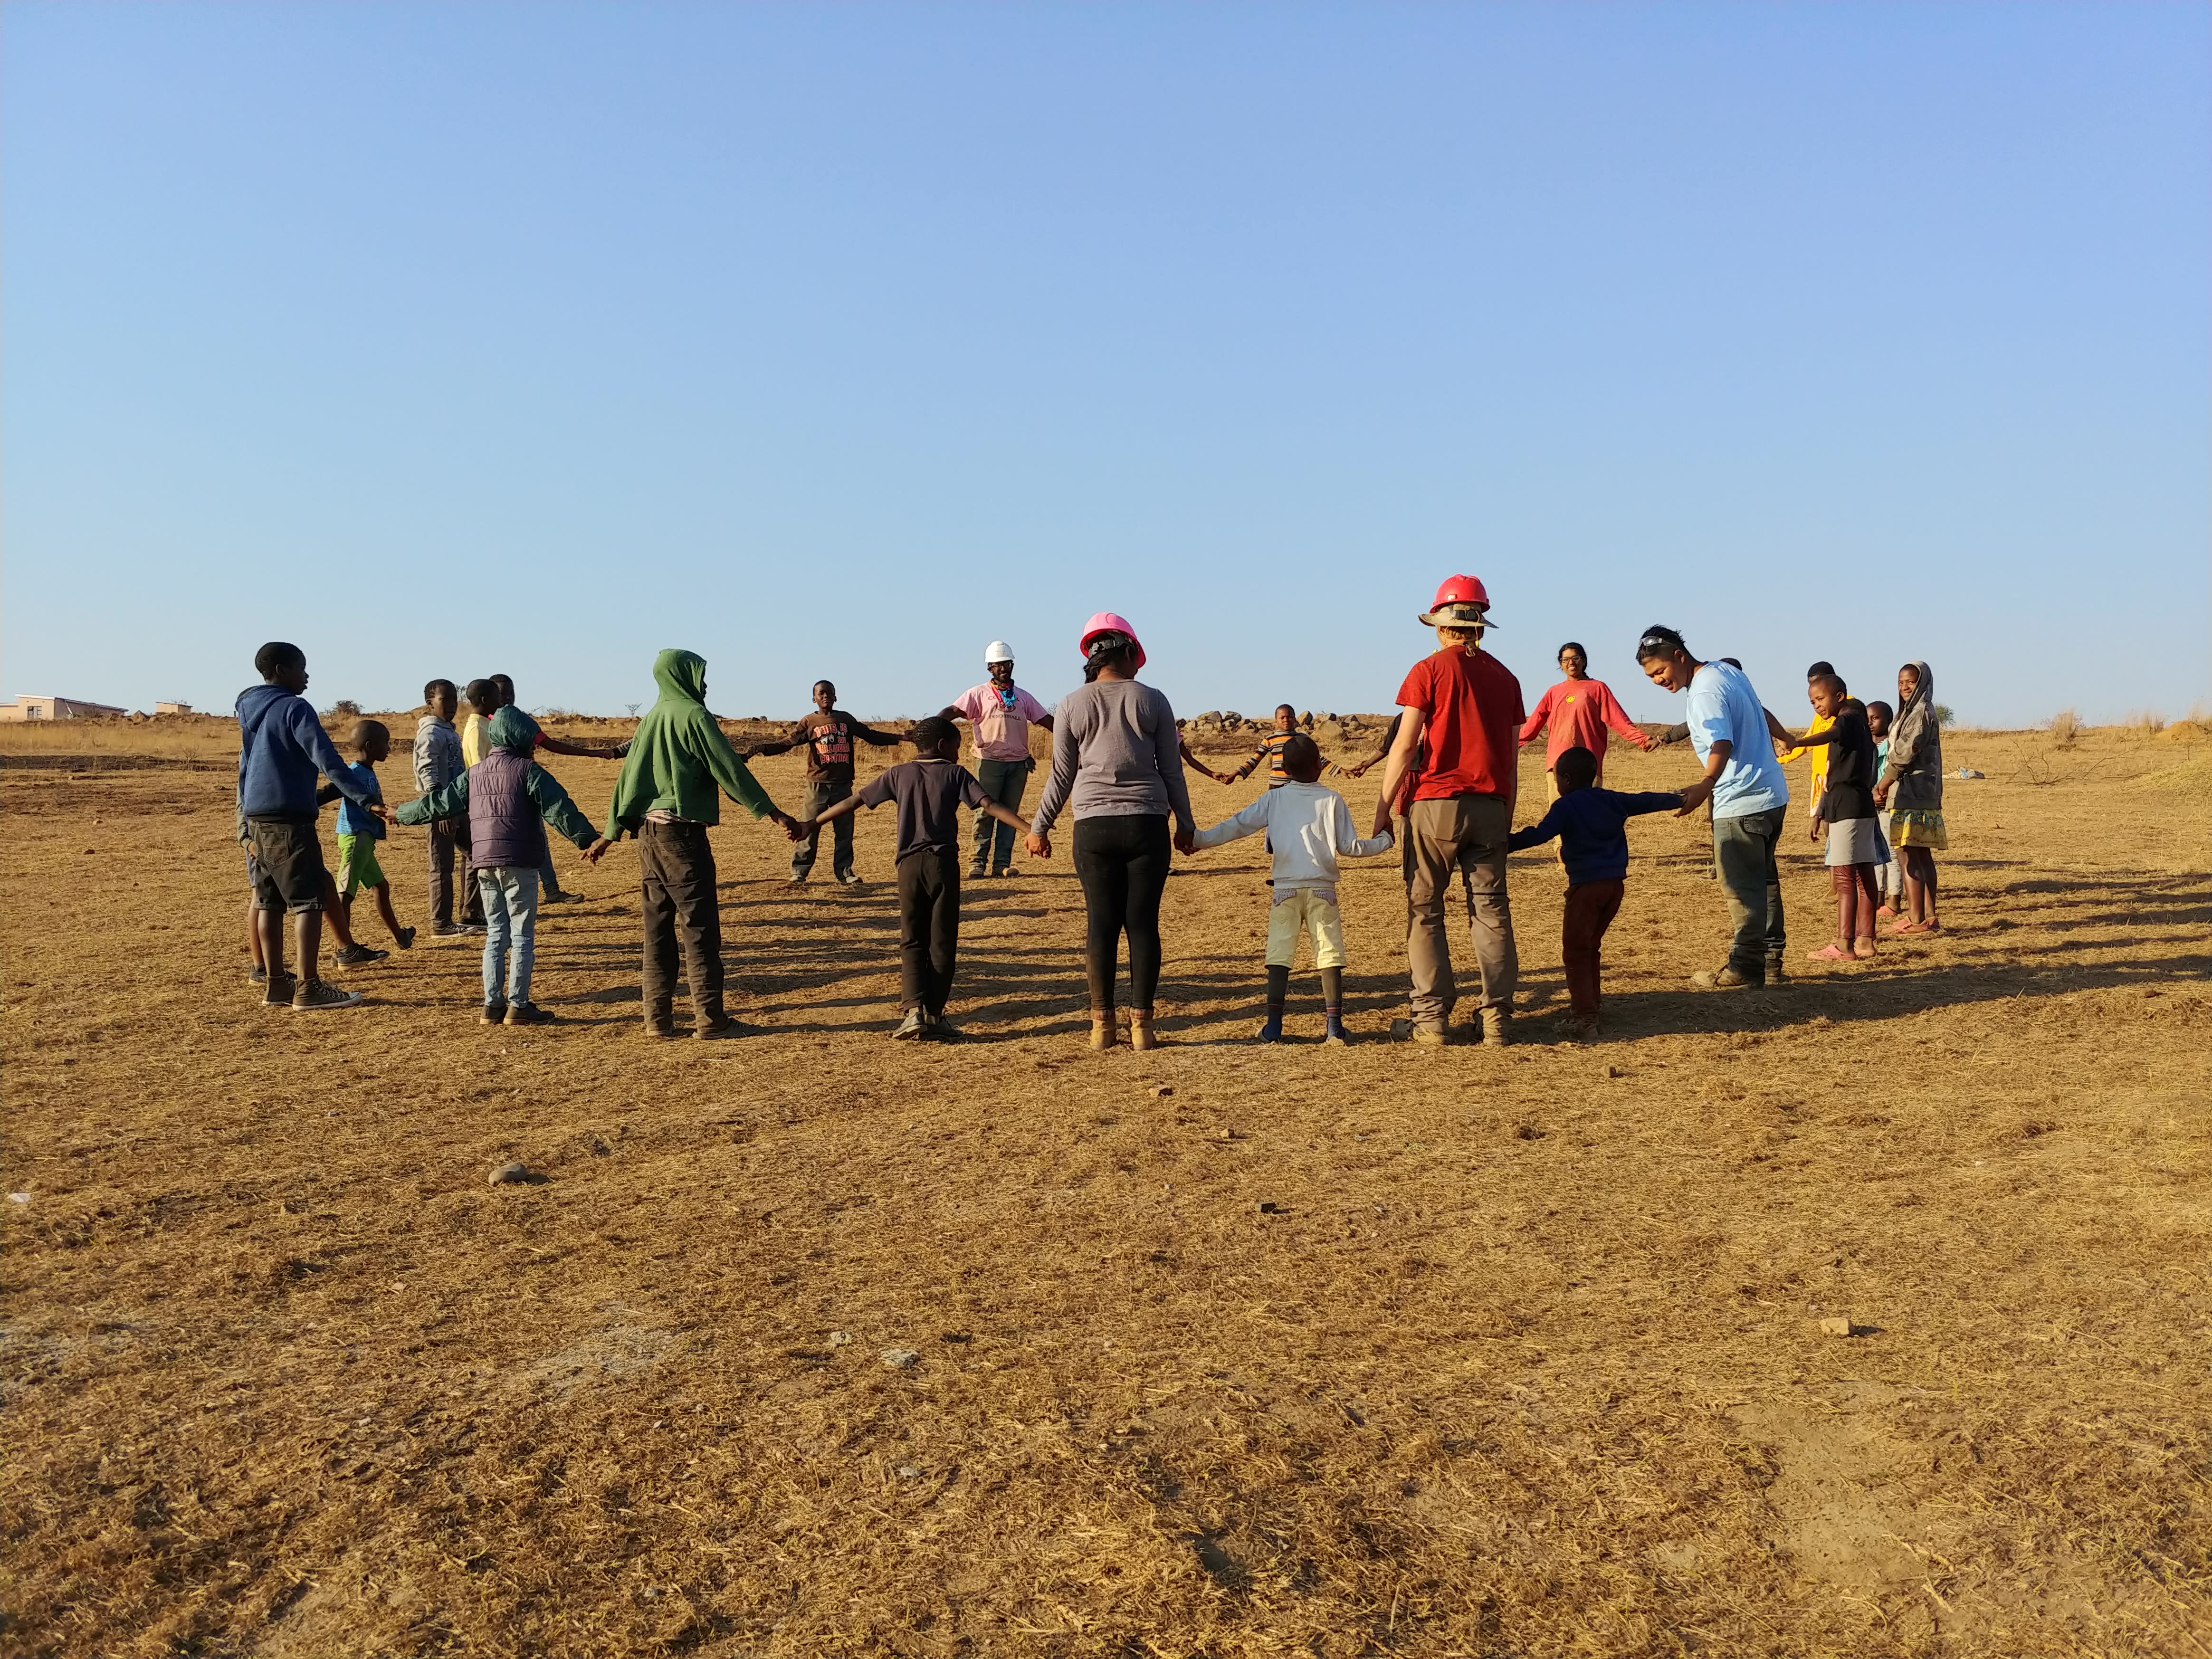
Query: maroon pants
[1591,907]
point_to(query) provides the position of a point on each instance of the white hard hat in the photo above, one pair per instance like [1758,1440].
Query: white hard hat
[997,651]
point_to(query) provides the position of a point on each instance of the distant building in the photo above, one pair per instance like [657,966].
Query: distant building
[57,708]
[173,708]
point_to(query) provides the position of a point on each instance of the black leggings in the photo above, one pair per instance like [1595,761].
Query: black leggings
[1123,862]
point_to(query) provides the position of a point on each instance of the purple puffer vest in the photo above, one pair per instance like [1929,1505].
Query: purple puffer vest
[504,828]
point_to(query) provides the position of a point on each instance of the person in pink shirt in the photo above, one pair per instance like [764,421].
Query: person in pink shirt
[1576,712]
[1000,714]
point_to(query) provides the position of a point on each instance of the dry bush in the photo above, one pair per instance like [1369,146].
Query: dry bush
[2145,723]
[2066,729]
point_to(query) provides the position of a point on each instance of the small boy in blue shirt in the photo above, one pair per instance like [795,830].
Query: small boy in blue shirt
[1591,825]
[360,829]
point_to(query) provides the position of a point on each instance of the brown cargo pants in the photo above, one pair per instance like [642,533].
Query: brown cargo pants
[1463,835]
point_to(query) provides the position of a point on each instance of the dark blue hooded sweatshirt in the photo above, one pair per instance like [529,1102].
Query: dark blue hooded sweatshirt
[283,747]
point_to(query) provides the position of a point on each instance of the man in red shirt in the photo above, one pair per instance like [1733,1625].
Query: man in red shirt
[1453,762]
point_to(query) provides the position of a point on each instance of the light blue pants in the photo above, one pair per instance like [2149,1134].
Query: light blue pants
[510,908]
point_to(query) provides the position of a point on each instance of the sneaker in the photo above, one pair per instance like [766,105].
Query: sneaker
[527,1013]
[495,1013]
[1722,979]
[851,880]
[1332,1032]
[280,990]
[1497,1027]
[352,955]
[1005,871]
[977,872]
[257,975]
[558,896]
[404,938]
[724,1027]
[1271,1031]
[942,1030]
[911,1027]
[313,995]
[1582,1028]
[660,1028]
[796,881]
[447,929]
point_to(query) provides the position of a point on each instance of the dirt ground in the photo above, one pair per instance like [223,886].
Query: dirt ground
[1219,1350]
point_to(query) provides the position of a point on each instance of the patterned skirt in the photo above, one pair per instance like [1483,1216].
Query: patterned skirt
[1918,827]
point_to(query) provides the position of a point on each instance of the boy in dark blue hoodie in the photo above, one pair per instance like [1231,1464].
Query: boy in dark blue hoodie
[1591,825]
[281,750]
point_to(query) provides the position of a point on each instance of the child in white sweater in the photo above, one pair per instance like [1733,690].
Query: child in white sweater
[1308,827]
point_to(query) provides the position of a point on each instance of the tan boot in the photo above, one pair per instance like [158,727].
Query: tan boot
[1103,1034]
[1142,1037]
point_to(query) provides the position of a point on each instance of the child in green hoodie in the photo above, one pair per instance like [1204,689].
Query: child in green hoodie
[679,766]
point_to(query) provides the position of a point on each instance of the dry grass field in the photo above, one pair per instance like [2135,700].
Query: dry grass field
[1219,1351]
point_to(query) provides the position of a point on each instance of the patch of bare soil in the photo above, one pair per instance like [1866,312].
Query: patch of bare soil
[813,1344]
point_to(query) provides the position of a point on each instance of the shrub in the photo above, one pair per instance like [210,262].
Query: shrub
[2066,727]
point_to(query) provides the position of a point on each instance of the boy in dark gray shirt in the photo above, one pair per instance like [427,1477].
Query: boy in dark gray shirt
[929,791]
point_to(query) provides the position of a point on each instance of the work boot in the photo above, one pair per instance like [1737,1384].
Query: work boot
[1722,979]
[1142,1037]
[1777,970]
[495,1013]
[528,1013]
[1497,1027]
[1103,1034]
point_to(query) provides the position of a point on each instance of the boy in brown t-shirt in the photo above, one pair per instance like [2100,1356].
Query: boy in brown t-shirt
[828,735]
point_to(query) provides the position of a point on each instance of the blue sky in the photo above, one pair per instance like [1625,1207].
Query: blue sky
[840,339]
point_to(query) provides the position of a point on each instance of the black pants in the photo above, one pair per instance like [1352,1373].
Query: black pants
[1123,862]
[929,926]
[443,844]
[680,904]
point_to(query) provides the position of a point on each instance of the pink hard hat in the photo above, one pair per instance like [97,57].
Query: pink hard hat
[1106,622]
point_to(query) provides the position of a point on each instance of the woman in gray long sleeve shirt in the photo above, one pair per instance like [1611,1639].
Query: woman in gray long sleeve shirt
[1117,764]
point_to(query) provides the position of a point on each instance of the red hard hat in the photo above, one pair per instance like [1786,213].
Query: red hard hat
[1462,602]
[1462,590]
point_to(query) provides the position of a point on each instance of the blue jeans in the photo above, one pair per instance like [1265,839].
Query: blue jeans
[510,907]
[1003,781]
[1743,848]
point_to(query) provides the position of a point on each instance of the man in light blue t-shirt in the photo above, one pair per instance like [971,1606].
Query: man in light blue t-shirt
[1736,738]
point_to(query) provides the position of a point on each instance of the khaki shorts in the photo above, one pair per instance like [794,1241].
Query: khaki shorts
[1302,912]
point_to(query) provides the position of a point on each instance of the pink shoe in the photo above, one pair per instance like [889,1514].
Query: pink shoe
[1887,911]
[1830,953]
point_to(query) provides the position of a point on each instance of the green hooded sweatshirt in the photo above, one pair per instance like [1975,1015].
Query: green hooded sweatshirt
[679,756]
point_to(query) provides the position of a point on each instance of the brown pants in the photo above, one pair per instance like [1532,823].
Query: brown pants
[1591,907]
[677,864]
[1464,836]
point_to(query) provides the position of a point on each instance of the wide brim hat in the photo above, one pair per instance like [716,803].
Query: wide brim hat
[1457,616]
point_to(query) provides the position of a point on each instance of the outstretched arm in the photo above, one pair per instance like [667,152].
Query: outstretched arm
[1548,827]
[1617,718]
[449,802]
[1249,822]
